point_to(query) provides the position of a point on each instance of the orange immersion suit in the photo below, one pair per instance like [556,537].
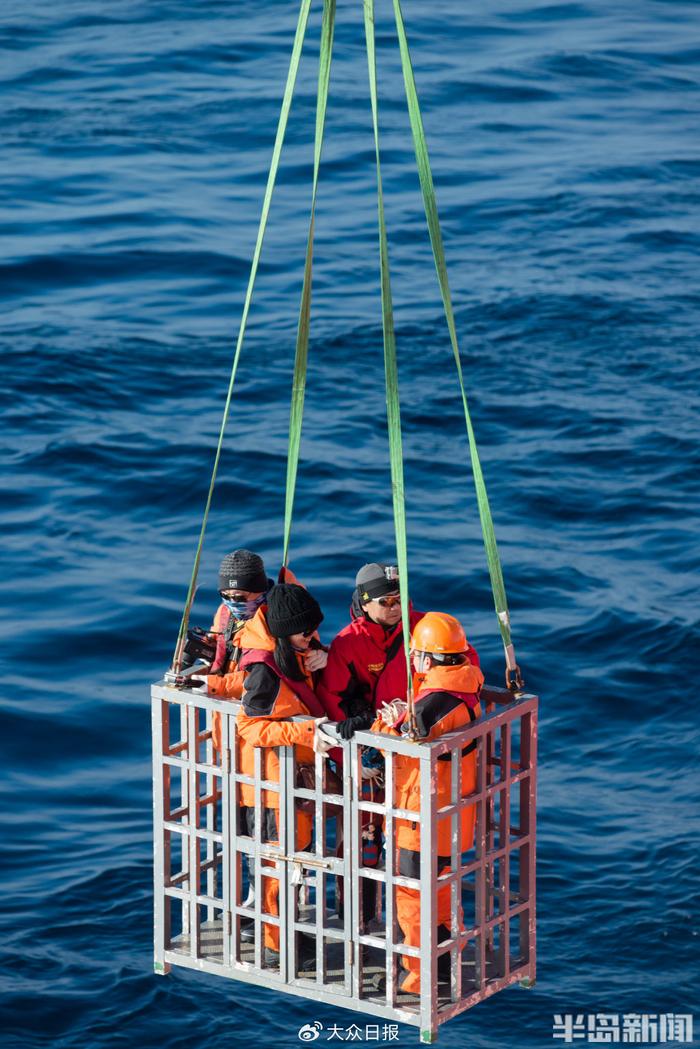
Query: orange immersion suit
[447,701]
[226,679]
[268,699]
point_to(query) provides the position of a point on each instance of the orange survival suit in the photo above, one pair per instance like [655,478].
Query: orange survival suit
[447,701]
[226,679]
[268,699]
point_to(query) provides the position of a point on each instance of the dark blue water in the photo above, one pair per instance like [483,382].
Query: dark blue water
[135,144]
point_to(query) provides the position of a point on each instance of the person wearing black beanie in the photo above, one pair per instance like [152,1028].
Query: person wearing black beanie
[243,585]
[279,649]
[292,610]
[293,616]
[243,588]
[243,571]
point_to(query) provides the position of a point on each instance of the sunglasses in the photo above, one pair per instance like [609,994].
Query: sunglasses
[308,633]
[388,602]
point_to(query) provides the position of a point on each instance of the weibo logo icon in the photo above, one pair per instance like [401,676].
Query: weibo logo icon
[310,1032]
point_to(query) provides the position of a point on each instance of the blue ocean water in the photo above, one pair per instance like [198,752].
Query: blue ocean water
[135,144]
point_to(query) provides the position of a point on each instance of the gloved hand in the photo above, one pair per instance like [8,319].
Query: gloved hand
[348,728]
[392,713]
[196,681]
[322,743]
[190,681]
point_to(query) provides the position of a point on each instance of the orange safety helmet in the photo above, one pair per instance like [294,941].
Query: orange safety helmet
[438,632]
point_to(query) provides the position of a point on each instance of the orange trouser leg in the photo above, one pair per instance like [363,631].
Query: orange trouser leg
[408,916]
[271,886]
[216,730]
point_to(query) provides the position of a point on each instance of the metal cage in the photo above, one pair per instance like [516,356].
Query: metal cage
[205,861]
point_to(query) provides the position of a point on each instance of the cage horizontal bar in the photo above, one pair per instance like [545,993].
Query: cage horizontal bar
[202,901]
[342,976]
[190,829]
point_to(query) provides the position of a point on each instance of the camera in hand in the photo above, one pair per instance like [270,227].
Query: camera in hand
[199,645]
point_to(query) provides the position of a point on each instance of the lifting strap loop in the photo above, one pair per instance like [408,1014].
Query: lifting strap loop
[513,677]
[431,214]
[274,165]
[390,370]
[296,412]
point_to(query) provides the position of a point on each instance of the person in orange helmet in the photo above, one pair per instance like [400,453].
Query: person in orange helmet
[447,700]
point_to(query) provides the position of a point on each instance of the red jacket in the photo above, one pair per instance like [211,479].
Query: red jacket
[358,676]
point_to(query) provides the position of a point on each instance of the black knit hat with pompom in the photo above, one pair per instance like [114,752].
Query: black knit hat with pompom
[292,610]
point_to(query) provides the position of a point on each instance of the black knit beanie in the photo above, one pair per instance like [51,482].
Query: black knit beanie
[291,610]
[243,570]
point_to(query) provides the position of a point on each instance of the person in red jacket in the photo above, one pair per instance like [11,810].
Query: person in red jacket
[447,700]
[366,666]
[366,663]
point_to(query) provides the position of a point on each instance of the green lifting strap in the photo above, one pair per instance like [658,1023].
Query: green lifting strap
[431,213]
[390,366]
[274,165]
[296,412]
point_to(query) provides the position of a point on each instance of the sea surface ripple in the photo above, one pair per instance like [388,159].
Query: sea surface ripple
[136,139]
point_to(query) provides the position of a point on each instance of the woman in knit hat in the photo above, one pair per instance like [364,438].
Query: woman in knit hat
[280,644]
